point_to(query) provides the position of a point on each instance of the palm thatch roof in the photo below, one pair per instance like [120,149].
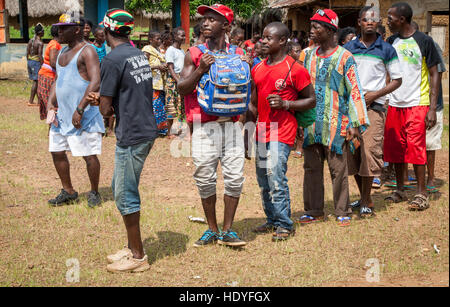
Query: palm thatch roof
[163,15]
[39,8]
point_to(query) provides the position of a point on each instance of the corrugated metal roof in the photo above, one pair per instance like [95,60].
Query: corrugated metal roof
[290,3]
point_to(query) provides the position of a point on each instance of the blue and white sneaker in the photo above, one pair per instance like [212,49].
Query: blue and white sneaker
[356,204]
[366,212]
[230,238]
[208,237]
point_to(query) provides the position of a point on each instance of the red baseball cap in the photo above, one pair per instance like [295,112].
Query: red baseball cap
[327,16]
[223,10]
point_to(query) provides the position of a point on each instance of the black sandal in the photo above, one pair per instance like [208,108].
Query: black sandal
[396,197]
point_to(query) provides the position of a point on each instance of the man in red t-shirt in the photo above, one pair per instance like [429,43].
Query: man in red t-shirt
[249,45]
[281,86]
[215,138]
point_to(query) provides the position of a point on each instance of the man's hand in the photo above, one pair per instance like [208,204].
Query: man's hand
[206,61]
[430,119]
[163,67]
[248,59]
[51,107]
[93,98]
[370,98]
[76,120]
[276,102]
[352,133]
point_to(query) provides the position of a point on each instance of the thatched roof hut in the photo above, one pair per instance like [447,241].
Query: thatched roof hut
[39,8]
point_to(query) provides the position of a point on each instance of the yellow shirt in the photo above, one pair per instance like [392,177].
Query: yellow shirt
[155,59]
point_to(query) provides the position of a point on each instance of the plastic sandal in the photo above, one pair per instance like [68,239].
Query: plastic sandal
[306,219]
[343,221]
[298,154]
[356,204]
[376,184]
[419,203]
[396,197]
[393,184]
[432,189]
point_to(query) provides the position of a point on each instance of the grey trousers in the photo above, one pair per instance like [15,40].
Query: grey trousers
[313,184]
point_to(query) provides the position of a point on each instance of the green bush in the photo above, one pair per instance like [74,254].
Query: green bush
[15,33]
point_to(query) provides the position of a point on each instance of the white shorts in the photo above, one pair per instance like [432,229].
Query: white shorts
[434,134]
[86,144]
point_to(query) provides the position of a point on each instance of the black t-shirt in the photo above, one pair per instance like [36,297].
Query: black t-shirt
[127,77]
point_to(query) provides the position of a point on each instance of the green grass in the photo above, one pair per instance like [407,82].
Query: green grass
[36,240]
[15,88]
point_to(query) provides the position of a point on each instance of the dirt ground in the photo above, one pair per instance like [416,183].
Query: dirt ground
[36,240]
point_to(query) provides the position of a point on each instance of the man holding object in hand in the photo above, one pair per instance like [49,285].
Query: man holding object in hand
[79,127]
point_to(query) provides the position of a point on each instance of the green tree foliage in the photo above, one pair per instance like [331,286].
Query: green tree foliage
[241,8]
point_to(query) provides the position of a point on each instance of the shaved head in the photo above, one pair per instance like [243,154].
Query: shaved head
[280,29]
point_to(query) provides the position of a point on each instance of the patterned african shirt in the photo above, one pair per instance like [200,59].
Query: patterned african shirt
[340,101]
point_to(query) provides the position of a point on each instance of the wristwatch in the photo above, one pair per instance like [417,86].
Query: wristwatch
[80,110]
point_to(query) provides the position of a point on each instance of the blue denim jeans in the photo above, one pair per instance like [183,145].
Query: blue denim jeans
[271,168]
[128,166]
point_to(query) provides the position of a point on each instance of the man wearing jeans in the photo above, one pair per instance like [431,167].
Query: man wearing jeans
[126,91]
[281,87]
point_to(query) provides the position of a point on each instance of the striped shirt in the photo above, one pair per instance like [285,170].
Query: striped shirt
[374,62]
[340,100]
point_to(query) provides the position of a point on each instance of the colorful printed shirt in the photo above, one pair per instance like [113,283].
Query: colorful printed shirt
[155,59]
[340,101]
[374,63]
[417,54]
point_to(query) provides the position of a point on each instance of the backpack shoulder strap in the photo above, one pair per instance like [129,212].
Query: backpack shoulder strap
[232,49]
[202,48]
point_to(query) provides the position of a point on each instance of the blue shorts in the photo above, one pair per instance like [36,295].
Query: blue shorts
[128,166]
[33,69]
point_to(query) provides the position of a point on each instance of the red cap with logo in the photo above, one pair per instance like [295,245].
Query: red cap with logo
[326,16]
[219,8]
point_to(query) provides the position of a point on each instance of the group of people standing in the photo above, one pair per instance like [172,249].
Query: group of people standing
[345,88]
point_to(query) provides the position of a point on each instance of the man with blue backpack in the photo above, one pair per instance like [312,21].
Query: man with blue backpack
[215,82]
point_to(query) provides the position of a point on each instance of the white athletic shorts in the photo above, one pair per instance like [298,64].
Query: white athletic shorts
[434,135]
[86,144]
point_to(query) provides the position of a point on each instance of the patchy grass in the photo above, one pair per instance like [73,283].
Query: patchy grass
[36,240]
[16,89]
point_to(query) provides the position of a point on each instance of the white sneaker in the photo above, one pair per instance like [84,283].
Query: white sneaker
[129,264]
[119,255]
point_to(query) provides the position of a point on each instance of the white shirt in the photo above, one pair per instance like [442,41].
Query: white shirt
[175,56]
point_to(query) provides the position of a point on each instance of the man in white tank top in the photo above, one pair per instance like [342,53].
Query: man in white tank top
[76,127]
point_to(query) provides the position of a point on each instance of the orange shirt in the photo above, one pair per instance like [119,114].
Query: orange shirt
[45,70]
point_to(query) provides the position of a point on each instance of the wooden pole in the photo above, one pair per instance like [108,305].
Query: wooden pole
[23,17]
[185,19]
[3,22]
